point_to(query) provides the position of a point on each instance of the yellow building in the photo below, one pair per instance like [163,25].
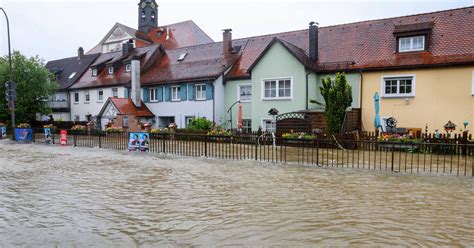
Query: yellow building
[420,97]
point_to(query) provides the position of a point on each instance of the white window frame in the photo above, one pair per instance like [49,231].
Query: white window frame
[472,79]
[128,67]
[77,118]
[115,96]
[87,94]
[399,77]
[94,72]
[238,92]
[178,90]
[98,96]
[247,127]
[204,94]
[78,97]
[411,49]
[110,70]
[125,123]
[264,128]
[277,89]
[153,95]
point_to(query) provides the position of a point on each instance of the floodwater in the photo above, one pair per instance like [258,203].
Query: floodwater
[64,196]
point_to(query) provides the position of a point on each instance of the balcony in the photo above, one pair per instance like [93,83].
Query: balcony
[59,106]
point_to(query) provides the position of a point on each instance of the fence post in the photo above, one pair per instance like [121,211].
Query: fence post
[205,146]
[317,152]
[256,149]
[163,143]
[74,139]
[393,154]
[100,140]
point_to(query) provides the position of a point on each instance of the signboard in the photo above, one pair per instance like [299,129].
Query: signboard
[24,134]
[48,139]
[139,142]
[3,132]
[63,137]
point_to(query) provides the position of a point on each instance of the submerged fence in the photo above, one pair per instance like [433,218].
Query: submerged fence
[439,158]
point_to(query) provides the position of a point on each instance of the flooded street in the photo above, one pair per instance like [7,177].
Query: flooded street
[68,196]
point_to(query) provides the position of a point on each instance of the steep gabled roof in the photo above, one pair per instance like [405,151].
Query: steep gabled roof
[125,106]
[372,44]
[65,68]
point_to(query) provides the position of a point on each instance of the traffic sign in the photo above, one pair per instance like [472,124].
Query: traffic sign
[10,85]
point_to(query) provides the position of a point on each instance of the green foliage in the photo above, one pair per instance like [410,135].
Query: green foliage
[34,86]
[200,124]
[337,97]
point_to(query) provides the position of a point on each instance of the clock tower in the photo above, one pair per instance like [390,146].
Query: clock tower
[147,15]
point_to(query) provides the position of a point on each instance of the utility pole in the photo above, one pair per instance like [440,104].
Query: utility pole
[10,85]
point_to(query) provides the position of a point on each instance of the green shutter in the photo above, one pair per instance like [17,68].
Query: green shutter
[209,91]
[126,93]
[146,94]
[191,92]
[167,93]
[183,92]
[160,93]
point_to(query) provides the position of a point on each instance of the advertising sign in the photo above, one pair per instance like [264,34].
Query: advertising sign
[24,134]
[139,142]
[48,138]
[63,137]
[3,132]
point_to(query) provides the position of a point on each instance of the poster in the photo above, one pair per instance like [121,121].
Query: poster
[139,142]
[24,134]
[3,131]
[63,137]
[48,138]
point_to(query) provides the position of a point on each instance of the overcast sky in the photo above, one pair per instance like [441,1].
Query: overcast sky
[54,29]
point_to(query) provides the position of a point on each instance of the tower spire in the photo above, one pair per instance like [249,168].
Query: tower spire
[147,15]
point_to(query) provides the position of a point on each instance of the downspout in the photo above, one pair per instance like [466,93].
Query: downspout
[360,99]
[307,88]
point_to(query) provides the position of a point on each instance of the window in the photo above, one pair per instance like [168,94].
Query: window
[277,89]
[182,56]
[269,125]
[401,86]
[411,44]
[125,121]
[76,118]
[100,96]
[114,92]
[94,72]
[128,67]
[88,96]
[76,97]
[245,92]
[153,95]
[200,92]
[111,70]
[72,75]
[153,15]
[188,120]
[143,15]
[175,93]
[246,125]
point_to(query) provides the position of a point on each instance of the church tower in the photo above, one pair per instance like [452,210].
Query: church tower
[147,15]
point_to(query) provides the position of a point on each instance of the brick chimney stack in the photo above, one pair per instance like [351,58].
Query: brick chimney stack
[227,40]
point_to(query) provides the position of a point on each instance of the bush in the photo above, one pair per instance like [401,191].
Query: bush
[115,130]
[200,124]
[298,136]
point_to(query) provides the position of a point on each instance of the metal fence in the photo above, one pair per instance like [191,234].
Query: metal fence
[438,158]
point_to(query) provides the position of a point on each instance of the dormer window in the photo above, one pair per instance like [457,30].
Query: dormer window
[411,44]
[94,72]
[111,70]
[128,67]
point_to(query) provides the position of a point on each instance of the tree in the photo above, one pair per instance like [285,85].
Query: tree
[337,97]
[34,85]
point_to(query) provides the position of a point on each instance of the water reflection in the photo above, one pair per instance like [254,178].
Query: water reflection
[84,197]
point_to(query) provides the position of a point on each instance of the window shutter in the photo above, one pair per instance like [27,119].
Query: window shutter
[160,93]
[167,93]
[209,91]
[191,90]
[126,93]
[146,94]
[183,92]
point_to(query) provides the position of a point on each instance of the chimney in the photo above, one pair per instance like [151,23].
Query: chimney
[80,53]
[313,41]
[227,40]
[127,47]
[135,94]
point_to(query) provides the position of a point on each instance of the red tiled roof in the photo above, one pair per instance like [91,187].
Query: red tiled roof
[125,106]
[372,44]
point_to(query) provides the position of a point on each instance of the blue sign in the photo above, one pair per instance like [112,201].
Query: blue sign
[24,134]
[139,142]
[3,132]
[48,139]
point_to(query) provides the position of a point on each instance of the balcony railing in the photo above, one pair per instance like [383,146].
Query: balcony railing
[58,104]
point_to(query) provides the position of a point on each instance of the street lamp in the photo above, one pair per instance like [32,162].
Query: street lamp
[10,85]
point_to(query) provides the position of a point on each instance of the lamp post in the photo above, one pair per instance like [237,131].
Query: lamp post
[230,112]
[11,94]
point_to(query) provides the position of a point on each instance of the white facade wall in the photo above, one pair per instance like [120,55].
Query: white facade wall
[180,110]
[219,99]
[93,107]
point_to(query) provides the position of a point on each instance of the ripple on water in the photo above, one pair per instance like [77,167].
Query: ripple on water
[63,196]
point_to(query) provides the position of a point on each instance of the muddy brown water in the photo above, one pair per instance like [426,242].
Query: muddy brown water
[63,196]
